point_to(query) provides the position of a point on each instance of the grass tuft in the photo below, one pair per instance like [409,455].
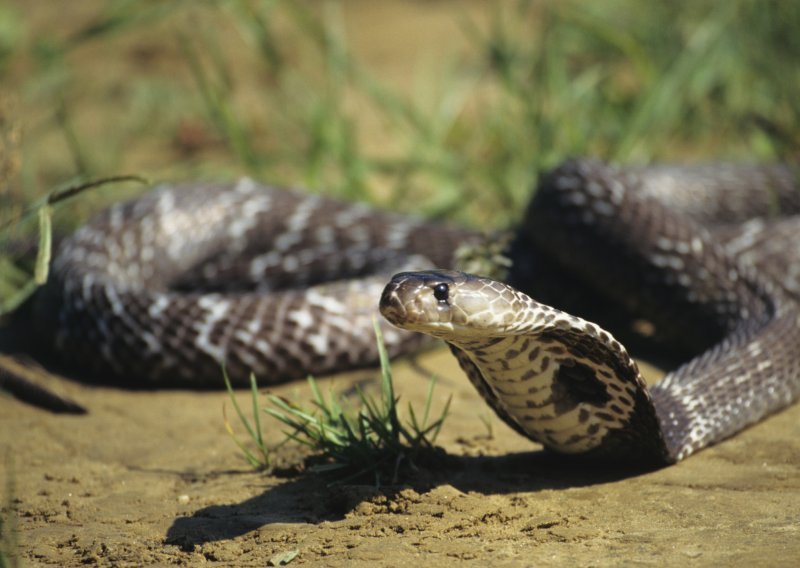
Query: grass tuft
[369,441]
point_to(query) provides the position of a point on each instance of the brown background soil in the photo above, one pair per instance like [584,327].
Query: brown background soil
[150,477]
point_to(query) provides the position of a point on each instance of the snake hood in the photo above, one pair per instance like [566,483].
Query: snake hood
[555,378]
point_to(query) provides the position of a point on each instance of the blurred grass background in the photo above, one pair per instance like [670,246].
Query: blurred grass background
[445,108]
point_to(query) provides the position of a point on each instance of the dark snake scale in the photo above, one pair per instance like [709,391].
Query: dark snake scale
[165,288]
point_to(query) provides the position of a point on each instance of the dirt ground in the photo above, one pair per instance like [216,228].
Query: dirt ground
[152,478]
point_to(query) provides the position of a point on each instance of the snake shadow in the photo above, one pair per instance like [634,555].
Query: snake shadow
[309,499]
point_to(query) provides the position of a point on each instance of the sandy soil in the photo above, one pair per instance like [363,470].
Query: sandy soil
[152,478]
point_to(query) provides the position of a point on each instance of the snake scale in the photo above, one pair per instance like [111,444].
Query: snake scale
[164,288]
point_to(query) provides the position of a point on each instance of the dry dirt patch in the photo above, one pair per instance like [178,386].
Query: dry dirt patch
[152,478]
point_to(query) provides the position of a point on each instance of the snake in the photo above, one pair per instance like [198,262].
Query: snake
[167,288]
[164,289]
[644,236]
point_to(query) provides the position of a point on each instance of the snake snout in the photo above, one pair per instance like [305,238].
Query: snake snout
[390,305]
[399,302]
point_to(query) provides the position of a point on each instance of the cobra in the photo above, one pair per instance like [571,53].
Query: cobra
[162,289]
[568,384]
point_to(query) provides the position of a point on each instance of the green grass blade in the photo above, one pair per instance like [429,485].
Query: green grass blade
[256,412]
[253,430]
[45,245]
[387,385]
[440,421]
[232,395]
[428,401]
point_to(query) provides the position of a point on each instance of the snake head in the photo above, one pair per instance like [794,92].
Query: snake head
[451,305]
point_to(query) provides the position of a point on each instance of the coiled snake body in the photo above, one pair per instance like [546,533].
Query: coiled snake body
[167,287]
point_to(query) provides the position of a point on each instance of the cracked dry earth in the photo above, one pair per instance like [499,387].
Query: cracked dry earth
[151,478]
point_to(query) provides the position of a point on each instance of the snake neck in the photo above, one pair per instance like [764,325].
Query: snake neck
[570,386]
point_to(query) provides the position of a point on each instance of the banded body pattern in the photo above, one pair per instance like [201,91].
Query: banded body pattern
[167,287]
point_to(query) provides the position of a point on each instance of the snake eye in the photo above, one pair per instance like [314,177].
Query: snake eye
[441,292]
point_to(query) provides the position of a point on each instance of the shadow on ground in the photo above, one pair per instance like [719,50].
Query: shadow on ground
[311,499]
